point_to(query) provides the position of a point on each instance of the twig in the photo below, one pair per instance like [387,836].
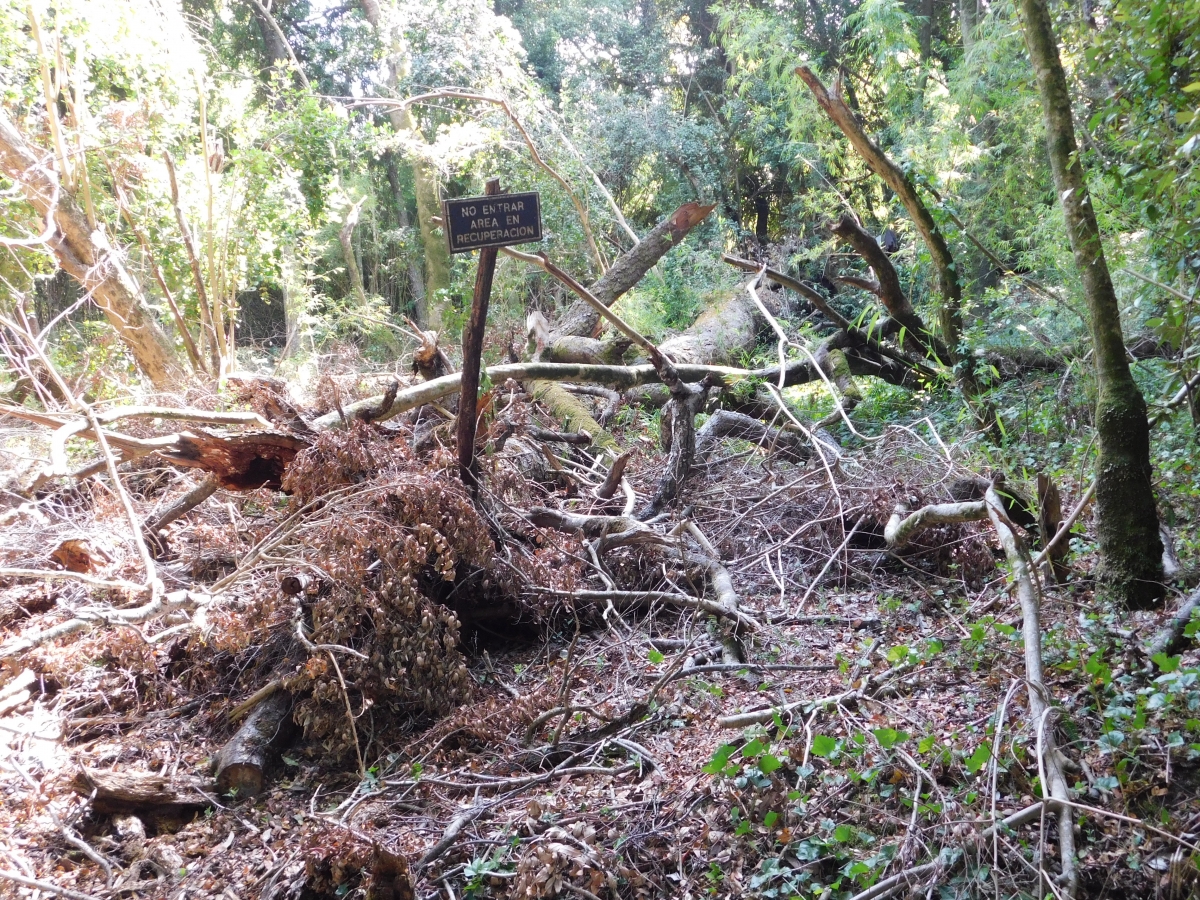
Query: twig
[758,717]
[44,886]
[889,886]
[48,575]
[254,699]
[450,835]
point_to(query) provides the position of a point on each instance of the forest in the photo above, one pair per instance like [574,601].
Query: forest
[599,449]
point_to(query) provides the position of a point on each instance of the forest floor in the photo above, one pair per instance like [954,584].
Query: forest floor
[564,746]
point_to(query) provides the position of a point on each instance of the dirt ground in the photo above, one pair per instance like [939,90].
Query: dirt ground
[513,739]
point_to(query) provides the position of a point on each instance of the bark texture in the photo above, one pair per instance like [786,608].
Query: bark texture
[1127,527]
[241,764]
[721,336]
[85,256]
[581,320]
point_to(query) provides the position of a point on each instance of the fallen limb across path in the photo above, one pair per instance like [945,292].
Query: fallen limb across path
[620,377]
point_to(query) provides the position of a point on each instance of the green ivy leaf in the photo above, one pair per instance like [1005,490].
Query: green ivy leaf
[720,759]
[889,737]
[823,745]
[1167,663]
[769,763]
[655,656]
[979,758]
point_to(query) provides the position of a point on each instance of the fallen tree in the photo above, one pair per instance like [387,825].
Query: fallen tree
[99,269]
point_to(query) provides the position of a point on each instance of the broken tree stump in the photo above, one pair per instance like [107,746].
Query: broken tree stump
[240,765]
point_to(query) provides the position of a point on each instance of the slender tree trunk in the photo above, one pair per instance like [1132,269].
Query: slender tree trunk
[925,28]
[967,20]
[345,238]
[92,263]
[427,188]
[1130,546]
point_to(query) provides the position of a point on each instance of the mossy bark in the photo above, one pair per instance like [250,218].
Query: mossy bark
[573,414]
[1130,546]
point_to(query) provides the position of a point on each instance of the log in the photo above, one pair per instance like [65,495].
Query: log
[573,414]
[580,319]
[144,793]
[722,335]
[240,765]
[726,424]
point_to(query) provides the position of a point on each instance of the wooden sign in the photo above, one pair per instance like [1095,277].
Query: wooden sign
[473,223]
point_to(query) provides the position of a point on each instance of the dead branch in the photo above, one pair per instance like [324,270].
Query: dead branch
[869,340]
[889,291]
[181,507]
[579,438]
[85,618]
[1051,760]
[143,793]
[726,424]
[44,886]
[1171,638]
[898,181]
[903,525]
[940,867]
[871,684]
[54,575]
[1040,704]
[620,377]
[613,479]
[580,320]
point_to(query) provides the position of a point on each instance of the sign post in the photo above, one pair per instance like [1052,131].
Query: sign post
[485,224]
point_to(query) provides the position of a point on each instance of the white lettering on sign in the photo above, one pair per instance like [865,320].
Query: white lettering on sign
[493,233]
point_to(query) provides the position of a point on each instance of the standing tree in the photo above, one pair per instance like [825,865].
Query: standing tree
[1130,546]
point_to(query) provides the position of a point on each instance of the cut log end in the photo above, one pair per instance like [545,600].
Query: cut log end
[240,766]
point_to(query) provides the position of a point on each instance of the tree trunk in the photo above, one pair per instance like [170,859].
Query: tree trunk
[426,185]
[722,335]
[94,265]
[580,319]
[1127,528]
[967,16]
[950,315]
[345,238]
[925,28]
